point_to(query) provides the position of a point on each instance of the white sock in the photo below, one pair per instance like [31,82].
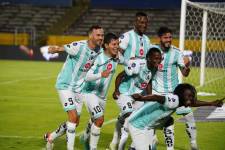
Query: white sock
[191,128]
[169,137]
[58,132]
[132,145]
[152,138]
[88,130]
[70,133]
[124,135]
[94,137]
[116,133]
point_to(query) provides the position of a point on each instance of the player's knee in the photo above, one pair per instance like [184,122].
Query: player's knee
[78,121]
[99,121]
[73,117]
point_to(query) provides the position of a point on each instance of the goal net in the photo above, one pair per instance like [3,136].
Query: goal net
[203,32]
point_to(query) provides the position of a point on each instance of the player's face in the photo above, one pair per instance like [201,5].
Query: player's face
[97,36]
[189,97]
[113,47]
[154,60]
[141,24]
[166,40]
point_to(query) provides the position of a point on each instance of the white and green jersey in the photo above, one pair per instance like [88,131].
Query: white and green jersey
[134,45]
[79,60]
[136,83]
[100,85]
[152,115]
[166,78]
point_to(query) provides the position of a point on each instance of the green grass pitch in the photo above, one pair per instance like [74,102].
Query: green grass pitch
[29,106]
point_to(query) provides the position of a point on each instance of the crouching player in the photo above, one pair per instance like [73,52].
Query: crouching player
[98,80]
[129,82]
[155,116]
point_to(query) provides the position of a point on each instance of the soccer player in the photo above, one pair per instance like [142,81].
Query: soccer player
[135,44]
[98,81]
[166,79]
[156,116]
[127,85]
[70,81]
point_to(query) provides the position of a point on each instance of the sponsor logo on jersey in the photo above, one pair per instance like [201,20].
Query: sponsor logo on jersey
[87,65]
[109,66]
[144,85]
[160,67]
[141,52]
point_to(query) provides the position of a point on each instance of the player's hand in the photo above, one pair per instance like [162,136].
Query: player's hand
[52,49]
[187,61]
[55,49]
[116,94]
[105,73]
[218,103]
[137,96]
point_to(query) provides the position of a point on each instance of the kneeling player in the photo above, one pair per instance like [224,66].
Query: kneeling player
[155,116]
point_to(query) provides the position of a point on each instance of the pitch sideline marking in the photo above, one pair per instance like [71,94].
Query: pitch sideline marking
[14,81]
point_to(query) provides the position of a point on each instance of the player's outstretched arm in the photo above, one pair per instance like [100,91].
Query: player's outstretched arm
[152,97]
[118,81]
[55,49]
[217,103]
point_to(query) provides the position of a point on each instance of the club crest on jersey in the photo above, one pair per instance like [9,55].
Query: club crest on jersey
[75,44]
[148,77]
[91,58]
[133,65]
[122,36]
[141,52]
[109,66]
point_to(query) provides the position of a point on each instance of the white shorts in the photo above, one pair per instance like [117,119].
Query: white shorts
[95,105]
[125,104]
[140,138]
[71,100]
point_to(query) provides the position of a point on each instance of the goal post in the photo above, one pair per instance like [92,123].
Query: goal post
[202,30]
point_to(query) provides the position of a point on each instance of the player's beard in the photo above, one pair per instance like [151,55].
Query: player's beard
[166,45]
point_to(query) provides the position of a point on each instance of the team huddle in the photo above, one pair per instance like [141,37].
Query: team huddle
[147,92]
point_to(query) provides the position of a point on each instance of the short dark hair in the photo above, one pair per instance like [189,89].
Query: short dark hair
[179,91]
[163,30]
[108,38]
[94,27]
[141,14]
[151,51]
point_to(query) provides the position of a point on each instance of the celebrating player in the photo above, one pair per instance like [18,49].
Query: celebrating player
[135,44]
[81,56]
[98,80]
[157,115]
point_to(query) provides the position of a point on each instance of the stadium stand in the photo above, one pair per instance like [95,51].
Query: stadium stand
[25,17]
[121,20]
